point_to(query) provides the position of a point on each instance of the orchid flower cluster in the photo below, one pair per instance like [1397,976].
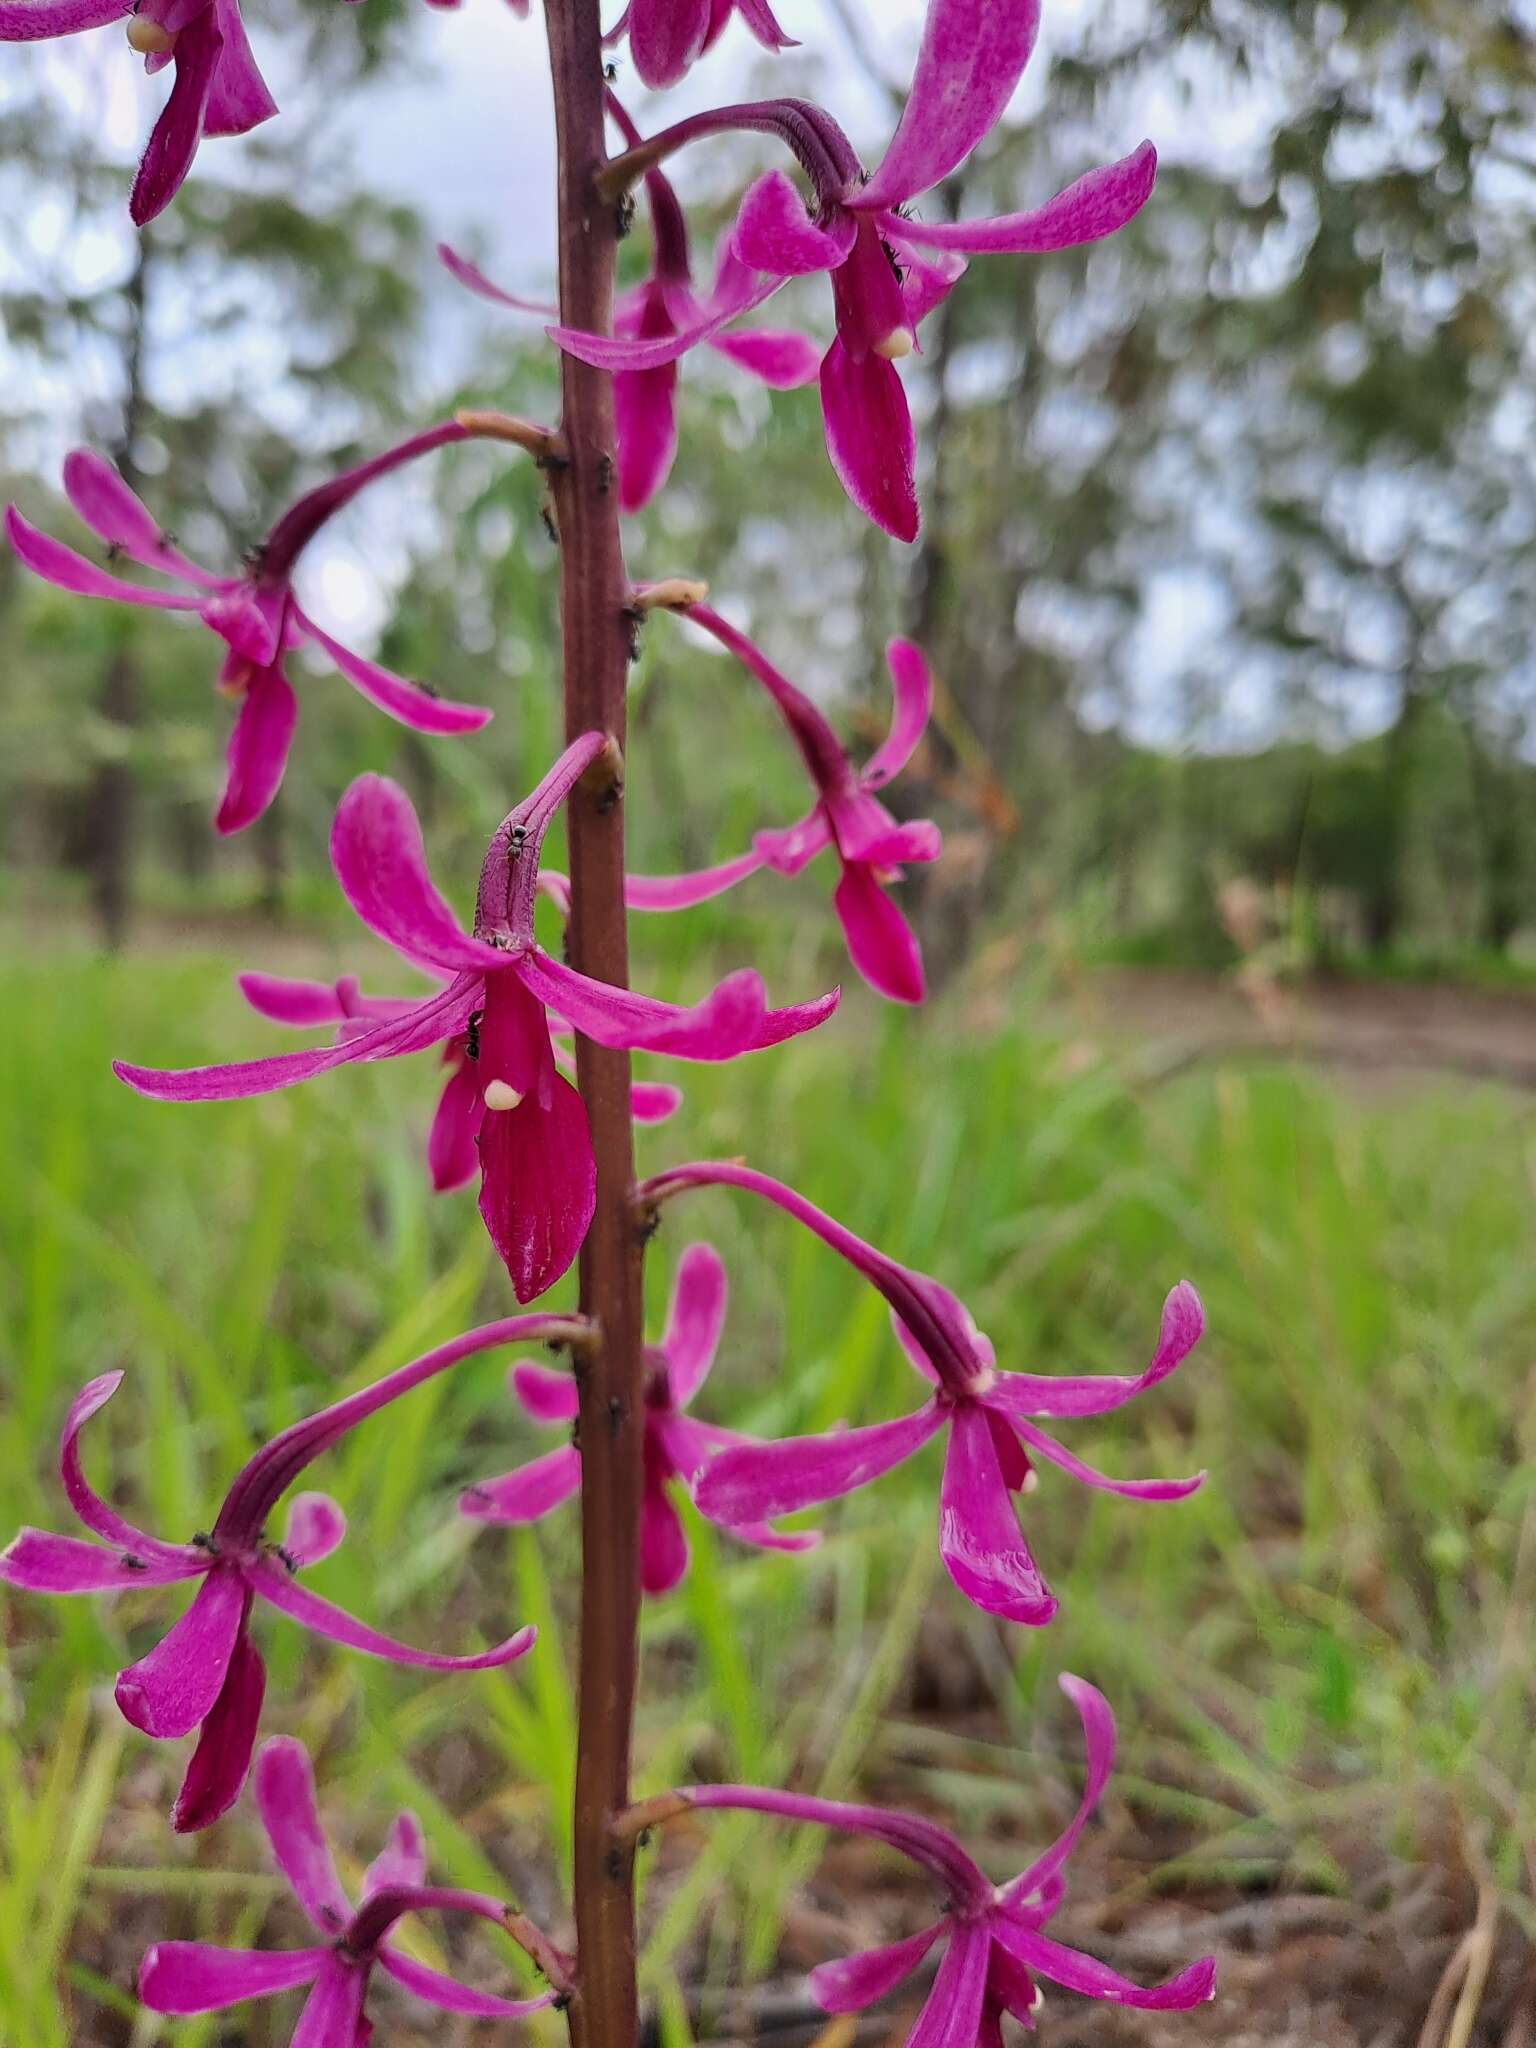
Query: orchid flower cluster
[538,1100]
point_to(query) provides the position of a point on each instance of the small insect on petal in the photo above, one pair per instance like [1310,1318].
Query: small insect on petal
[148,37]
[501,1095]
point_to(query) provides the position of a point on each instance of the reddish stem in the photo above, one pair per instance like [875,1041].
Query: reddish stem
[594,596]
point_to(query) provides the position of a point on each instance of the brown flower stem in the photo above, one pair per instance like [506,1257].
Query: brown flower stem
[594,600]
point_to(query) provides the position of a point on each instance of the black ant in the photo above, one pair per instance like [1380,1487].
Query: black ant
[472,1035]
[132,1563]
[519,841]
[611,73]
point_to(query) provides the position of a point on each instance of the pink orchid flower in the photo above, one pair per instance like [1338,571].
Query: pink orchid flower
[206,1673]
[888,269]
[645,401]
[986,1412]
[183,1977]
[676,1446]
[995,1950]
[871,847]
[452,1158]
[537,1177]
[666,36]
[255,614]
[217,89]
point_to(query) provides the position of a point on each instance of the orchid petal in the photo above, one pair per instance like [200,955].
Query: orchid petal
[30,21]
[663,1541]
[547,1396]
[444,1992]
[1129,1489]
[61,566]
[174,138]
[683,892]
[333,2012]
[757,1482]
[881,944]
[184,1977]
[610,352]
[911,708]
[474,279]
[870,439]
[695,1318]
[794,847]
[758,17]
[1180,1330]
[1099,1749]
[101,1519]
[538,1178]
[732,1019]
[114,514]
[172,1688]
[381,864]
[653,1102]
[311,1612]
[285,1798]
[781,360]
[301,1004]
[665,36]
[409,703]
[855,1982]
[401,1861]
[37,1562]
[1047,1958]
[645,425]
[973,54]
[238,100]
[258,749]
[1097,204]
[316,1525]
[775,234]
[952,2016]
[453,1158]
[529,1493]
[219,1765]
[979,1537]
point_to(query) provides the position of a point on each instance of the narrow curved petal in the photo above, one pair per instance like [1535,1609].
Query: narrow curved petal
[442,1991]
[333,2012]
[973,54]
[174,138]
[61,566]
[169,1691]
[285,1798]
[653,1102]
[793,848]
[881,944]
[610,352]
[527,1494]
[1011,1989]
[782,360]
[911,708]
[1129,1489]
[100,1518]
[695,1319]
[952,2016]
[302,1004]
[870,439]
[733,1018]
[401,1861]
[917,1357]
[37,1562]
[381,864]
[453,1157]
[665,36]
[1180,1330]
[979,1537]
[316,1525]
[645,425]
[663,1541]
[756,1482]
[1096,205]
[762,1536]
[683,892]
[183,1977]
[411,704]
[474,279]
[238,100]
[114,514]
[258,749]
[1099,1751]
[758,17]
[219,1765]
[311,1612]
[859,1981]
[775,234]
[538,1185]
[29,21]
[1047,1958]
[547,1396]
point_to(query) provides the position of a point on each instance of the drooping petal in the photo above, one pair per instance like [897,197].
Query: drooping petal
[174,138]
[172,1688]
[538,1178]
[113,513]
[442,1991]
[258,749]
[238,100]
[222,1758]
[1180,1330]
[782,360]
[453,1157]
[37,1562]
[758,16]
[1129,1489]
[1047,1958]
[610,352]
[1097,204]
[870,439]
[183,1977]
[683,892]
[311,1612]
[474,279]
[1099,1751]
[315,1526]
[733,1018]
[1012,1458]
[911,708]
[1011,1989]
[775,234]
[952,2016]
[881,944]
[973,54]
[547,1396]
[381,864]
[645,425]
[695,1318]
[100,1518]
[528,1493]
[756,1482]
[663,1541]
[979,1537]
[61,566]
[409,703]
[333,2012]
[665,36]
[402,1860]
[285,1798]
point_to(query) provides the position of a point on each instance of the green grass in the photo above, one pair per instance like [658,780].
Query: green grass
[1337,1625]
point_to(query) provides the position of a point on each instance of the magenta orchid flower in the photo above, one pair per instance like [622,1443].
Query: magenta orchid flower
[183,1977]
[537,1177]
[995,1949]
[888,269]
[676,1446]
[871,847]
[217,89]
[987,1413]
[666,36]
[207,1673]
[255,614]
[452,1159]
[645,401]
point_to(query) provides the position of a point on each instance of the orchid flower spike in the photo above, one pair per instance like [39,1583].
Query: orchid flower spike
[871,847]
[888,270]
[665,304]
[537,1177]
[255,614]
[452,1157]
[986,1412]
[217,89]
[183,1977]
[207,1673]
[676,1446]
[665,36]
[995,1951]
